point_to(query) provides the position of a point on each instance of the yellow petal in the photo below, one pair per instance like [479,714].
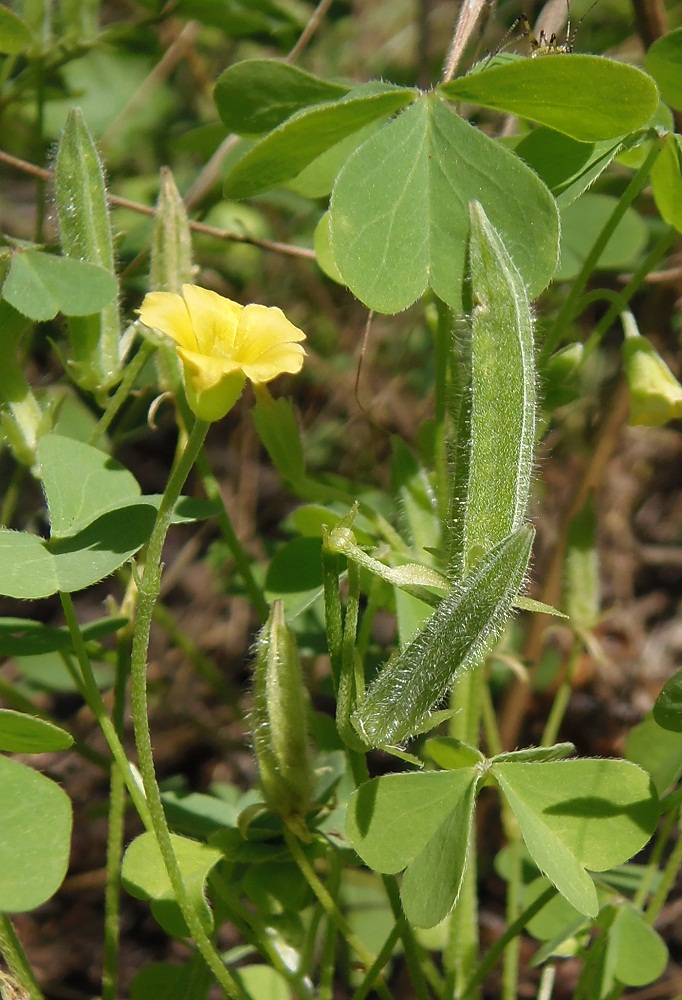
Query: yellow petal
[281,358]
[214,319]
[261,329]
[166,312]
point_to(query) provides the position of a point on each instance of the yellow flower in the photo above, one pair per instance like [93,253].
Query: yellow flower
[221,344]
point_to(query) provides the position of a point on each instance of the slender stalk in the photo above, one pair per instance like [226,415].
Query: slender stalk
[331,937]
[379,963]
[241,559]
[253,930]
[117,804]
[668,878]
[418,964]
[654,860]
[122,392]
[493,955]
[97,707]
[510,965]
[332,910]
[461,956]
[112,887]
[17,963]
[632,190]
[148,593]
[658,250]
[547,979]
[562,697]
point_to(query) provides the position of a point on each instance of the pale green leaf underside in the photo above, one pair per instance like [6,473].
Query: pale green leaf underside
[399,214]
[32,865]
[284,152]
[587,97]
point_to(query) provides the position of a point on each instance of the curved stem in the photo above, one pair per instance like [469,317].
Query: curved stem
[662,244]
[632,190]
[332,910]
[148,594]
[668,877]
[494,953]
[122,392]
[94,701]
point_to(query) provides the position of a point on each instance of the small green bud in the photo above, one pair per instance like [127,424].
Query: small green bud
[170,267]
[565,363]
[279,721]
[655,393]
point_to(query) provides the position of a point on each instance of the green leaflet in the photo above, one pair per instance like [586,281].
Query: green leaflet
[587,97]
[454,638]
[399,211]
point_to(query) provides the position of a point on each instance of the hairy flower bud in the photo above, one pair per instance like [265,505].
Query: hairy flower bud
[655,393]
[279,721]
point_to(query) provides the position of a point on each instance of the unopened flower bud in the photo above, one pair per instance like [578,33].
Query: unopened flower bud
[279,721]
[655,393]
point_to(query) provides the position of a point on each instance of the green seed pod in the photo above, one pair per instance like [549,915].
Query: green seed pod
[85,234]
[279,721]
[493,405]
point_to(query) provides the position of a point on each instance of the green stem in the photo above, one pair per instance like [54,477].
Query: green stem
[332,910]
[547,979]
[419,965]
[331,939]
[494,953]
[112,887]
[96,705]
[122,392]
[379,963]
[668,878]
[490,727]
[621,299]
[241,559]
[253,930]
[562,697]
[116,828]
[632,190]
[148,593]
[461,957]
[510,965]
[17,963]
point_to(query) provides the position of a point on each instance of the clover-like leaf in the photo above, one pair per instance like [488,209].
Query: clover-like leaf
[562,808]
[399,214]
[420,821]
